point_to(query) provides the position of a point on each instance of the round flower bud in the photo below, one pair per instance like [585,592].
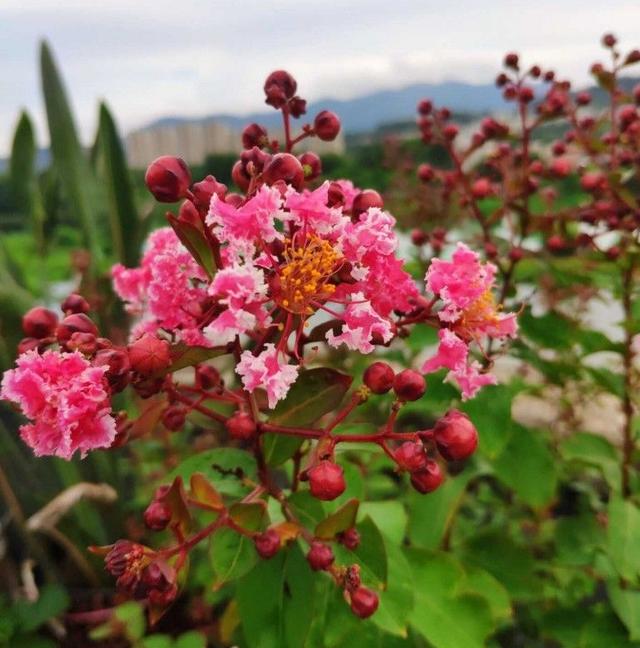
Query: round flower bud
[279,87]
[378,377]
[609,40]
[208,377]
[511,60]
[267,543]
[254,135]
[425,172]
[428,479]
[285,167]
[241,426]
[76,323]
[75,303]
[174,417]
[409,385]
[168,179]
[335,195]
[157,516]
[326,125]
[326,480]
[481,188]
[583,98]
[311,165]
[320,556]
[39,322]
[556,243]
[450,132]
[418,237]
[365,200]
[350,539]
[239,176]
[203,191]
[425,107]
[364,602]
[411,456]
[85,343]
[297,107]
[27,344]
[456,436]
[149,354]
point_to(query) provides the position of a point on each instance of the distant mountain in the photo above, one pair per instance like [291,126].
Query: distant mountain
[367,112]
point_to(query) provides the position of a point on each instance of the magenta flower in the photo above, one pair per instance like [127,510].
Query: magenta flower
[68,399]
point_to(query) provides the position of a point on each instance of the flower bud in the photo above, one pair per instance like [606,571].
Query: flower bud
[267,543]
[320,556]
[174,417]
[609,40]
[418,237]
[285,167]
[39,322]
[365,200]
[481,188]
[364,602]
[239,176]
[425,172]
[409,385]
[378,377]
[583,98]
[149,354]
[556,243]
[456,436]
[425,107]
[311,165]
[297,106]
[326,125]
[526,94]
[76,323]
[207,377]
[254,135]
[75,303]
[450,132]
[516,254]
[411,456]
[335,195]
[28,344]
[279,87]
[350,539]
[560,167]
[427,479]
[326,480]
[511,60]
[241,426]
[85,343]
[203,191]
[168,179]
[157,516]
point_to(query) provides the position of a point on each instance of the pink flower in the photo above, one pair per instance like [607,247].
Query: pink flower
[242,226]
[268,372]
[361,323]
[67,399]
[242,290]
[372,233]
[309,209]
[349,191]
[167,291]
[453,354]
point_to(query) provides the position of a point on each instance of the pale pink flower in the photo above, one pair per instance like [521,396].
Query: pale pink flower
[66,398]
[268,372]
[240,227]
[372,233]
[361,323]
[167,290]
[242,290]
[453,354]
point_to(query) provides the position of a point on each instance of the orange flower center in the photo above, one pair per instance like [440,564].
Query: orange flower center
[478,314]
[304,277]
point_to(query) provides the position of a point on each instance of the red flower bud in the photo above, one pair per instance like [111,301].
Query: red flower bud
[326,125]
[39,322]
[481,188]
[297,107]
[239,176]
[511,60]
[267,543]
[516,254]
[326,480]
[77,323]
[583,98]
[85,343]
[157,516]
[311,165]
[279,87]
[560,167]
[75,303]
[365,200]
[428,479]
[418,237]
[335,196]
[168,179]
[609,40]
[411,456]
[350,539]
[27,344]
[203,191]
[425,107]
[364,602]
[526,94]
[241,426]
[207,377]
[450,132]
[409,385]
[174,417]
[556,243]
[149,354]
[285,167]
[425,172]
[320,556]
[254,135]
[378,377]
[456,436]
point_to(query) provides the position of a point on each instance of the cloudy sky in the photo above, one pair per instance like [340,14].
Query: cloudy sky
[150,58]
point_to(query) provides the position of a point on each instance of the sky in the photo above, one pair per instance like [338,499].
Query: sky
[150,59]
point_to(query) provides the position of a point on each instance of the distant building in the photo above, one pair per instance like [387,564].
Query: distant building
[193,141]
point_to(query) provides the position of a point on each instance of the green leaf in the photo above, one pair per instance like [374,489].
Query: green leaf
[526,465]
[370,554]
[344,518]
[232,555]
[626,603]
[389,516]
[624,538]
[52,601]
[608,380]
[551,330]
[192,236]
[225,468]
[578,538]
[191,639]
[593,450]
[68,158]
[249,515]
[123,215]
[157,641]
[447,619]
[315,393]
[481,582]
